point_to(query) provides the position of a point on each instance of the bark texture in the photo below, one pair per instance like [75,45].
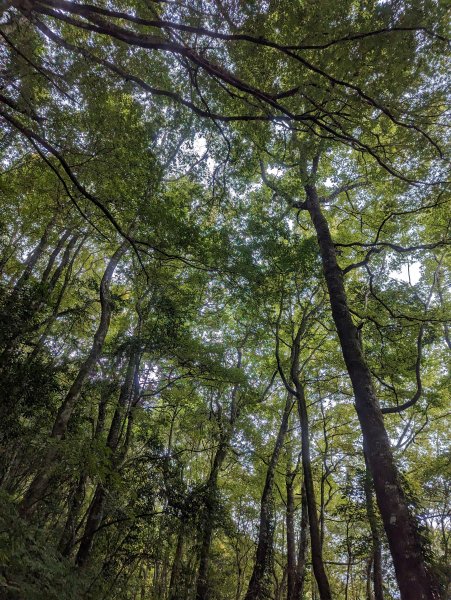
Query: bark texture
[258,588]
[376,558]
[301,565]
[315,535]
[413,579]
[291,540]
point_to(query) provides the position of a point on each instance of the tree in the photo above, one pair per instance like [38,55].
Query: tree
[185,168]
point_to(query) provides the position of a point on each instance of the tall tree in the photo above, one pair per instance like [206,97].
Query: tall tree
[238,153]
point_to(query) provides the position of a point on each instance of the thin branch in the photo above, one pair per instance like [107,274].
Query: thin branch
[395,247]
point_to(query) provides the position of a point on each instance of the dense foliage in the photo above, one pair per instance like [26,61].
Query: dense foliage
[223,300]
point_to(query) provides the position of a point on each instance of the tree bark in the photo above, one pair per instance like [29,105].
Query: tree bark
[175,591]
[94,519]
[413,579]
[375,536]
[315,535]
[39,484]
[291,542]
[258,588]
[202,591]
[301,566]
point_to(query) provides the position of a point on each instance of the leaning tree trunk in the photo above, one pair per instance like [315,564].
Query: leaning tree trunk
[32,260]
[75,504]
[62,265]
[49,283]
[259,584]
[77,496]
[39,484]
[49,322]
[54,255]
[97,507]
[34,306]
[12,328]
[413,579]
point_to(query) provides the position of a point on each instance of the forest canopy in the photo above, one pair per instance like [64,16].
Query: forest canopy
[224,300]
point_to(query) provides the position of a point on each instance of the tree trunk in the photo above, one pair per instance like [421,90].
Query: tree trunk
[301,566]
[39,484]
[175,591]
[66,409]
[291,542]
[96,510]
[369,589]
[67,540]
[413,579]
[258,588]
[52,318]
[64,262]
[202,591]
[54,255]
[348,562]
[315,536]
[40,302]
[12,328]
[32,259]
[376,541]
[93,522]
[227,427]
